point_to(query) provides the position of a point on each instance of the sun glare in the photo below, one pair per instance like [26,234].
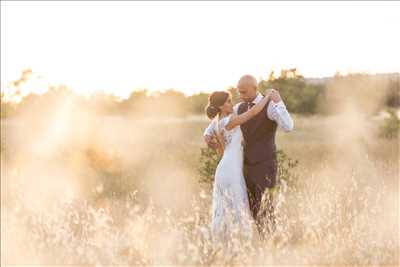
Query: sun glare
[163,46]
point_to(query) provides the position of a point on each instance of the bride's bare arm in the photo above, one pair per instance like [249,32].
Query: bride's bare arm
[242,118]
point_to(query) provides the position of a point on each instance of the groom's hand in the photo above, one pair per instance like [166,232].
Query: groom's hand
[211,141]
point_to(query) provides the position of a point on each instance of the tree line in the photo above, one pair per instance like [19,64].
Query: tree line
[301,95]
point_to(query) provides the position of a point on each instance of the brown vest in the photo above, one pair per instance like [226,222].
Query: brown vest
[259,137]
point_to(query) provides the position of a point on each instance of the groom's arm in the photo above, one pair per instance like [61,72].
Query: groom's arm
[277,111]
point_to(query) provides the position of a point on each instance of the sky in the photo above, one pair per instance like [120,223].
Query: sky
[194,46]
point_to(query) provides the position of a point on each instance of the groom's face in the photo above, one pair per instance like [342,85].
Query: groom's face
[247,92]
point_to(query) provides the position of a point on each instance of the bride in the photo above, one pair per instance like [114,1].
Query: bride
[230,208]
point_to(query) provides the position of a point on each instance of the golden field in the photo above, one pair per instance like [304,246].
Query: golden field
[78,188]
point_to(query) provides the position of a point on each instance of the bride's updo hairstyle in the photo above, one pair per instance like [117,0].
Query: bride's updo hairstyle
[215,100]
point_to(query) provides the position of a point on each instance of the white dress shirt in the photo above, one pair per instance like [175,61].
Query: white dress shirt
[275,111]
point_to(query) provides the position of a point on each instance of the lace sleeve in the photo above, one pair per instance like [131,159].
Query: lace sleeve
[225,122]
[210,130]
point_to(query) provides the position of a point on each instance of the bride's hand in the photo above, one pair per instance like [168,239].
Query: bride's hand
[273,95]
[211,141]
[268,92]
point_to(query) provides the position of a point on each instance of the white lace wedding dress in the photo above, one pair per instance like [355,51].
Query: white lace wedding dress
[230,208]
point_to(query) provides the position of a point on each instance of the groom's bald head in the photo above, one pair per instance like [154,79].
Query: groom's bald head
[247,88]
[247,80]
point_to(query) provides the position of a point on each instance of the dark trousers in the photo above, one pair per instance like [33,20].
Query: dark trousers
[261,206]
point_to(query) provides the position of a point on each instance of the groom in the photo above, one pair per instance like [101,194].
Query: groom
[260,159]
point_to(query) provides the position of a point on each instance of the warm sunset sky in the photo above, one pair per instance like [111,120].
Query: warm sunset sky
[192,46]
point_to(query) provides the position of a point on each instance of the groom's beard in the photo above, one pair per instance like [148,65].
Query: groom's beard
[250,100]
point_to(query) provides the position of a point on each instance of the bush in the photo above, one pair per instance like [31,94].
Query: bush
[209,160]
[391,126]
[208,164]
[393,93]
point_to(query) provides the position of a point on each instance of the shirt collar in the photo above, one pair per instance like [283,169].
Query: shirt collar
[258,98]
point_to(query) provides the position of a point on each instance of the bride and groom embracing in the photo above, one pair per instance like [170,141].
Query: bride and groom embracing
[245,136]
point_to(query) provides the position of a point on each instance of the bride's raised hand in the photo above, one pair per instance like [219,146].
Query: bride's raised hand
[253,111]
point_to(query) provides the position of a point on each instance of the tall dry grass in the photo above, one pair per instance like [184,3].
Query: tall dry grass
[82,189]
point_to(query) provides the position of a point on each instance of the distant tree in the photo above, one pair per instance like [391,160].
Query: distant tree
[305,96]
[104,103]
[299,96]
[198,102]
[271,76]
[235,95]
[135,102]
[171,103]
[138,95]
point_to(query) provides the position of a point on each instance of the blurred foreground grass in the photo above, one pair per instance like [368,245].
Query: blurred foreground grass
[111,190]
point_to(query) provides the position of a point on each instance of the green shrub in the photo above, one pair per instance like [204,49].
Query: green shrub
[209,160]
[391,126]
[208,164]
